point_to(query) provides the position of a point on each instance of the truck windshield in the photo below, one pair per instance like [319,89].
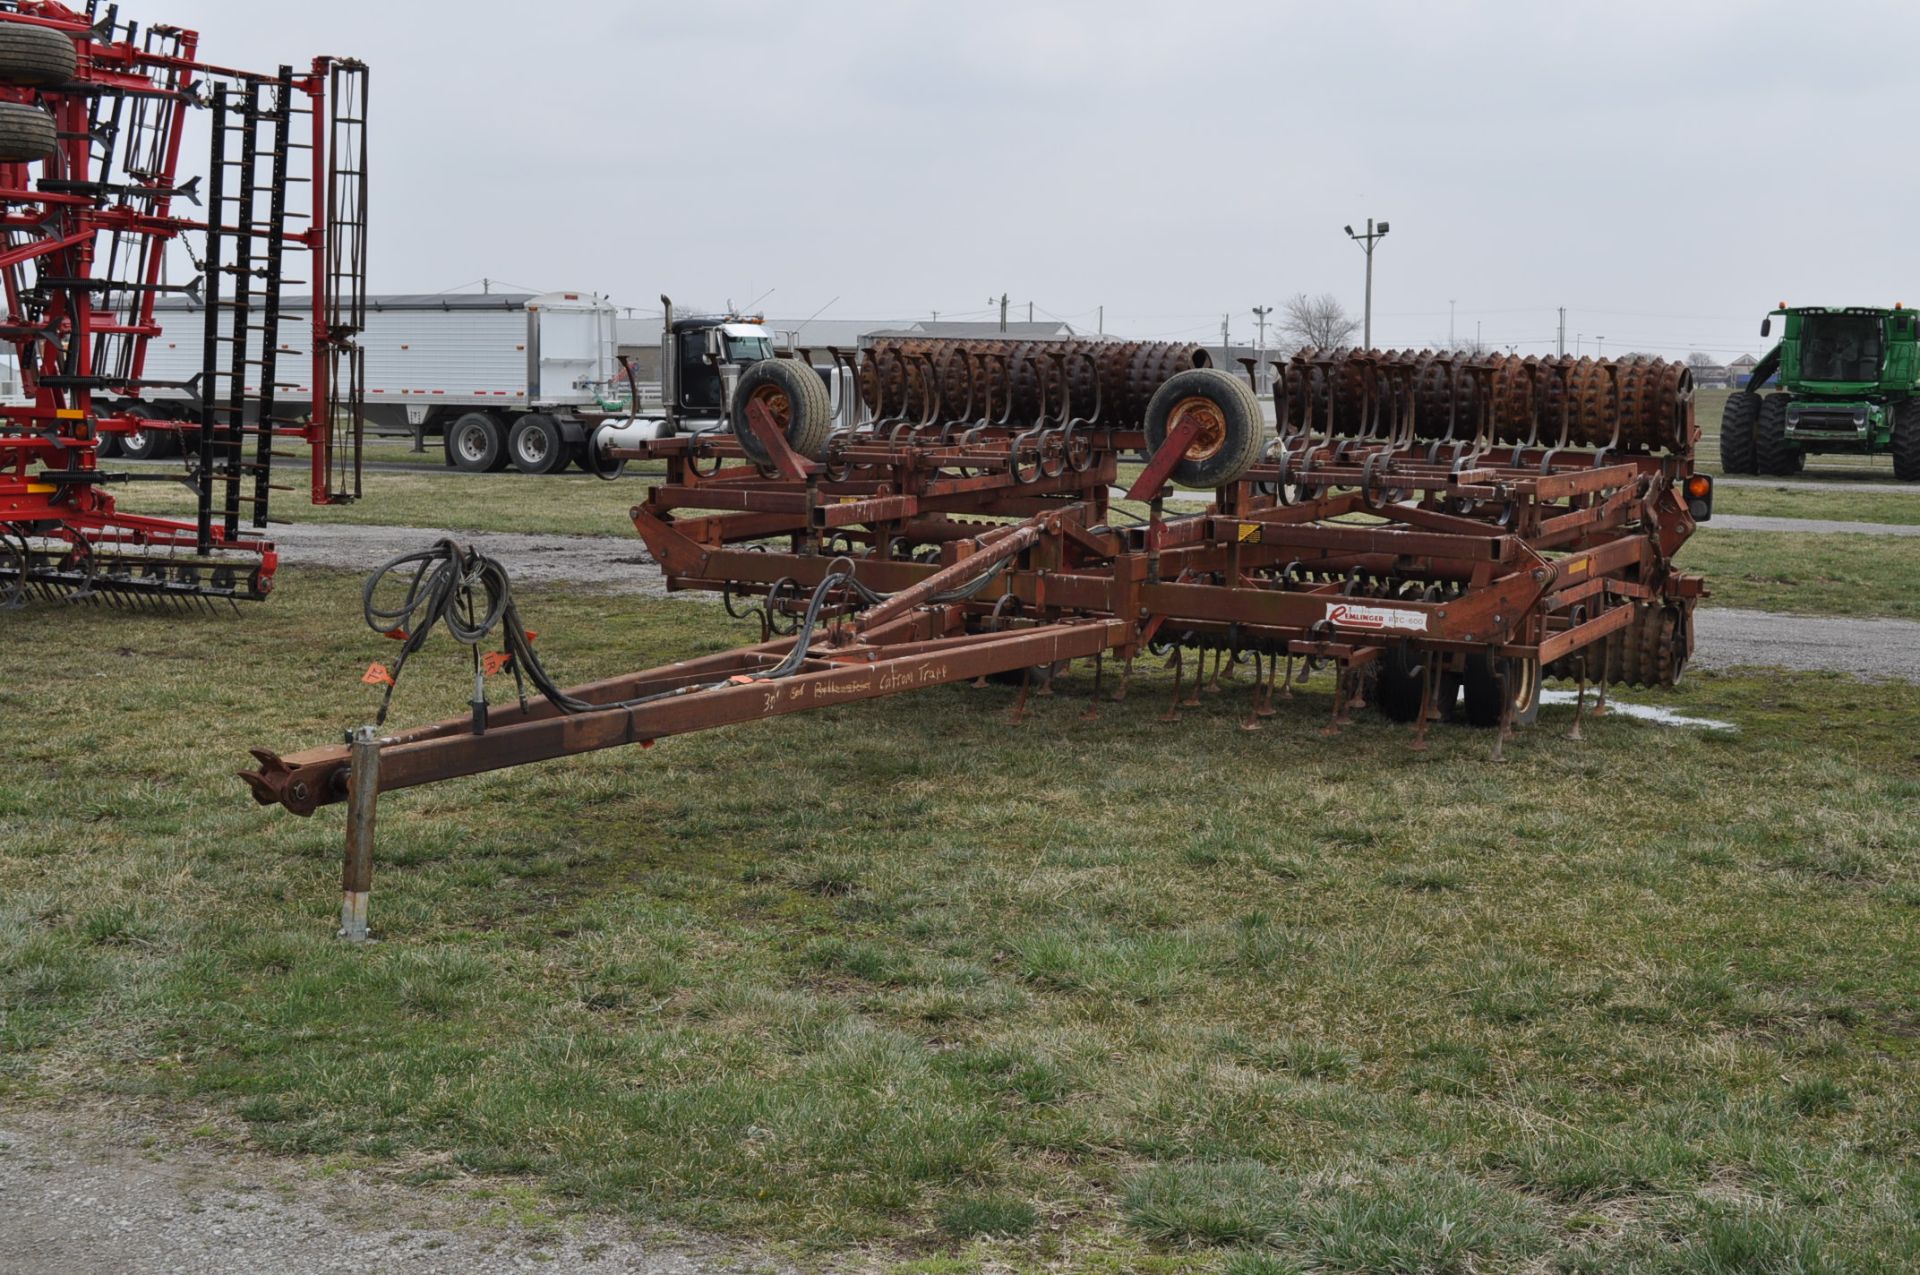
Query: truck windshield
[1840,347]
[748,349]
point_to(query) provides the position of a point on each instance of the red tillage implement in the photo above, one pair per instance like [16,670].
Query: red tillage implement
[93,112]
[1442,531]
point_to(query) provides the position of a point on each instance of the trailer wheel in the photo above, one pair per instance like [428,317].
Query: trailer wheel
[1906,440]
[476,443]
[1736,432]
[792,392]
[1490,682]
[35,56]
[1229,421]
[151,443]
[1772,453]
[535,445]
[26,133]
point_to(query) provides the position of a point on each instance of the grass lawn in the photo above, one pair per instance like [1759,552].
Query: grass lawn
[570,503]
[1103,997]
[1809,575]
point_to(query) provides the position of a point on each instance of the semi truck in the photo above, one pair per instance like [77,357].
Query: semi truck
[531,381]
[500,378]
[1849,382]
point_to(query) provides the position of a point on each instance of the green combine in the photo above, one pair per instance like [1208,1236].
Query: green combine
[1849,382]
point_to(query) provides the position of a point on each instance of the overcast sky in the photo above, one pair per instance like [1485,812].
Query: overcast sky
[1665,171]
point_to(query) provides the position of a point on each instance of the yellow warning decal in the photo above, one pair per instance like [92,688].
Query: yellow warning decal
[1577,565]
[69,413]
[1249,533]
[41,489]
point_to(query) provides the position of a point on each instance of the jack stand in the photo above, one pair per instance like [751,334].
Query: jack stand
[363,794]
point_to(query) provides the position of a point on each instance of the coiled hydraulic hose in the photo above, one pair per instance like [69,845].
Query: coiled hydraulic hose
[470,594]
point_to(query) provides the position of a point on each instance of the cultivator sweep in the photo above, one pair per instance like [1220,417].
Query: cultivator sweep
[93,113]
[1438,532]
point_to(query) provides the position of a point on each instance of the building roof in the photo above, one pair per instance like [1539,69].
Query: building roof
[392,301]
[1037,331]
[1745,360]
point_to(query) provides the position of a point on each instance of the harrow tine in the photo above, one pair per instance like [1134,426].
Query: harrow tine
[1173,710]
[1093,705]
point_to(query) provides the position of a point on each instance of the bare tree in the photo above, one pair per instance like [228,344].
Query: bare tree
[1319,323]
[1697,359]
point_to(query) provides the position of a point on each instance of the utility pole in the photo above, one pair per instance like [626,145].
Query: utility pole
[936,316]
[1367,242]
[1226,350]
[1577,337]
[1103,320]
[1003,310]
[1029,312]
[1260,313]
[1476,337]
[1563,332]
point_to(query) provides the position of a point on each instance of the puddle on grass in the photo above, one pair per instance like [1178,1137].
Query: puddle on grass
[1645,712]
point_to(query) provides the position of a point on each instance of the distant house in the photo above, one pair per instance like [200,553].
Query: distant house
[1711,376]
[1740,371]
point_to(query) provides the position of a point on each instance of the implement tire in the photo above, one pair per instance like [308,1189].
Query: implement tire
[1906,440]
[26,133]
[35,56]
[793,393]
[1772,453]
[1400,684]
[1736,432]
[1229,419]
[1489,682]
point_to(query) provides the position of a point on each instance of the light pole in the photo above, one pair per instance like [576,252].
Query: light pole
[1602,341]
[1260,313]
[1367,242]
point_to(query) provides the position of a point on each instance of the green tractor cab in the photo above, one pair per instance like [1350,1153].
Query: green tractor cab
[1849,382]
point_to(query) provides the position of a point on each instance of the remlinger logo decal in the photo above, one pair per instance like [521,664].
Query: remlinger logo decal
[1349,616]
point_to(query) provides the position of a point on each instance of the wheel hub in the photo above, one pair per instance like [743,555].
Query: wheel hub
[1209,423]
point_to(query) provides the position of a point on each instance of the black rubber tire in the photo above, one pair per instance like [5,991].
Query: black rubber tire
[106,446]
[536,446]
[35,56]
[809,411]
[26,133]
[1906,440]
[1238,411]
[1736,432]
[1772,453]
[1489,682]
[1400,684]
[476,443]
[148,444]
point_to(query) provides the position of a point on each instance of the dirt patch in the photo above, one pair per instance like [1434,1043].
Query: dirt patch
[102,1193]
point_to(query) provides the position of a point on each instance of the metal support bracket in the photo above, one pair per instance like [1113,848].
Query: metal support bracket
[1165,459]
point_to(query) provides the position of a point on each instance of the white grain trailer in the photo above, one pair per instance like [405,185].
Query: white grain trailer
[501,378]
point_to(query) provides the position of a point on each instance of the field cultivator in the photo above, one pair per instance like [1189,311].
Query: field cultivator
[93,116]
[1441,532]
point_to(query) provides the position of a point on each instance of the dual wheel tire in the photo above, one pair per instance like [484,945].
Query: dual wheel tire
[478,443]
[1906,440]
[1753,436]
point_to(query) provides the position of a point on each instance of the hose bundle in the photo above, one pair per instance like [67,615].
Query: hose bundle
[469,593]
